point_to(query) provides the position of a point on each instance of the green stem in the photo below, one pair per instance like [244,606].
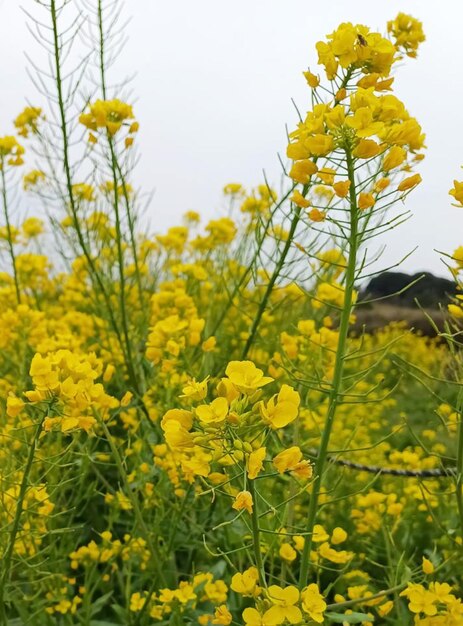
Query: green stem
[335,392]
[101,43]
[133,243]
[249,267]
[7,557]
[122,284]
[348,603]
[9,233]
[256,535]
[124,186]
[67,171]
[272,281]
[459,468]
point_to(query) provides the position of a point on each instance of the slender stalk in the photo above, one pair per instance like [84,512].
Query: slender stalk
[256,535]
[101,44]
[249,267]
[133,243]
[114,161]
[7,557]
[335,392]
[9,233]
[348,603]
[67,171]
[272,281]
[122,283]
[459,468]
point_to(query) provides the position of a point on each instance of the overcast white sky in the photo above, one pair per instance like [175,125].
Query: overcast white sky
[214,84]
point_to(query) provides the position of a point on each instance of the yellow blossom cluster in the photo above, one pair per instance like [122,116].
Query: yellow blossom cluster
[186,599]
[175,325]
[27,121]
[11,151]
[110,115]
[64,385]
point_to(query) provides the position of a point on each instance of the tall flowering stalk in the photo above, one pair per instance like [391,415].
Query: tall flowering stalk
[11,154]
[353,140]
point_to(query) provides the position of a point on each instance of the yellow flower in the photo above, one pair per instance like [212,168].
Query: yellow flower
[302,171]
[9,147]
[246,376]
[291,460]
[281,409]
[283,600]
[455,310]
[83,191]
[181,416]
[381,184]
[329,293]
[243,502]
[233,189]
[255,462]
[222,616]
[176,436]
[319,534]
[313,602]
[312,80]
[407,32]
[335,118]
[395,157]
[363,123]
[195,390]
[385,608]
[209,345]
[457,192]
[109,114]
[420,600]
[14,405]
[32,227]
[245,583]
[213,413]
[427,566]
[410,182]
[221,231]
[338,535]
[319,145]
[27,120]
[299,200]
[326,175]
[287,552]
[127,397]
[341,188]
[441,591]
[335,556]
[252,617]
[327,58]
[297,151]
[366,149]
[137,602]
[316,216]
[32,178]
[365,201]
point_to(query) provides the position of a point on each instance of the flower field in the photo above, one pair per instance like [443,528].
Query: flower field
[192,431]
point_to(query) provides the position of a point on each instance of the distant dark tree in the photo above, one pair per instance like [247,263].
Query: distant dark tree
[427,289]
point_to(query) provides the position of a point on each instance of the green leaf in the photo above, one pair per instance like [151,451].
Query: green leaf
[99,603]
[350,618]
